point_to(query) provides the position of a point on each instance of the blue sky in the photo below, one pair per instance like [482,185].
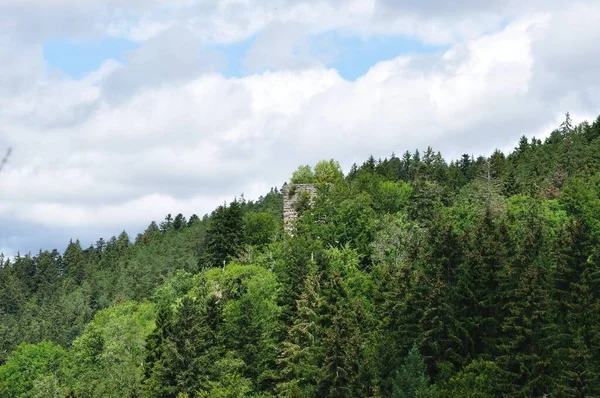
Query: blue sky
[188,116]
[351,56]
[78,58]
[354,56]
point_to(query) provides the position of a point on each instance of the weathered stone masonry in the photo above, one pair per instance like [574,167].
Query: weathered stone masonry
[291,195]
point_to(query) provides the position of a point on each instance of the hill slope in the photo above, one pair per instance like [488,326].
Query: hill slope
[407,277]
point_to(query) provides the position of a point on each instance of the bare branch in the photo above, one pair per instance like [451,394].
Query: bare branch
[5,159]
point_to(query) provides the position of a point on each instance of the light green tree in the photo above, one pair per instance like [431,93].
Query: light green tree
[303,175]
[328,171]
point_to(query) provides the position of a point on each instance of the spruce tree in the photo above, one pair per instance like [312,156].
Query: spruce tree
[301,356]
[524,346]
[577,313]
[225,235]
[478,284]
[341,339]
[411,379]
[73,262]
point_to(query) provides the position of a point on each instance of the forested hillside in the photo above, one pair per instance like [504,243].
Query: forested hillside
[406,277]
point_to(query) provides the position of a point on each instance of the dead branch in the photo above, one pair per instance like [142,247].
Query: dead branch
[5,158]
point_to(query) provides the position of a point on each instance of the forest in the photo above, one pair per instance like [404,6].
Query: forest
[408,276]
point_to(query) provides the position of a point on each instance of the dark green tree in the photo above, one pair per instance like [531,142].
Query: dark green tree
[225,235]
[73,262]
[577,311]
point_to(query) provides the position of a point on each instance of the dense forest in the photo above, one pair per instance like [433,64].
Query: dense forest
[406,277]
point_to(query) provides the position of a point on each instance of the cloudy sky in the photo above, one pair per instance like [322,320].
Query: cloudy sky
[121,111]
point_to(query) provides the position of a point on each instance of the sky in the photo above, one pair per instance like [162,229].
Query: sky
[120,112]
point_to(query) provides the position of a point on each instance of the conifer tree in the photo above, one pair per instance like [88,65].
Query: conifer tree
[478,284]
[524,353]
[341,339]
[73,262]
[411,379]
[302,353]
[577,311]
[225,234]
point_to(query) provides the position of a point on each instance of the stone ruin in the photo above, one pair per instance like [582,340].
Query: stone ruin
[291,195]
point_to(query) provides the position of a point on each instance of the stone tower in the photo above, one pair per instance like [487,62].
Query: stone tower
[292,193]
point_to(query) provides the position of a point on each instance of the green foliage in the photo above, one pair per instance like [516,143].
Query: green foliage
[303,175]
[302,203]
[408,277]
[581,198]
[411,380]
[480,379]
[105,361]
[225,234]
[231,313]
[393,197]
[32,369]
[259,228]
[328,171]
[324,172]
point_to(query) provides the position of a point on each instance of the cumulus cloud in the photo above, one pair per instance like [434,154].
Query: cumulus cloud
[165,132]
[278,47]
[174,55]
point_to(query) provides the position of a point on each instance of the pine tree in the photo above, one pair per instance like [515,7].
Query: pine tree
[73,262]
[225,235]
[183,349]
[567,125]
[179,222]
[478,284]
[302,354]
[398,321]
[525,356]
[443,339]
[341,340]
[47,274]
[159,376]
[577,312]
[411,379]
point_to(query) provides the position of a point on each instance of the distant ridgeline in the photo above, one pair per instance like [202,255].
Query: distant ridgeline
[296,198]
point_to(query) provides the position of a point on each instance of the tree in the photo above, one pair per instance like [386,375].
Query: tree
[225,235]
[259,228]
[392,196]
[167,225]
[194,219]
[444,339]
[106,360]
[478,280]
[28,365]
[73,262]
[328,171]
[577,311]
[567,125]
[179,222]
[47,274]
[159,372]
[303,175]
[301,354]
[479,379]
[340,340]
[411,379]
[524,286]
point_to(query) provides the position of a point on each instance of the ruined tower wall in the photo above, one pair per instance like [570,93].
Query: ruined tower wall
[291,195]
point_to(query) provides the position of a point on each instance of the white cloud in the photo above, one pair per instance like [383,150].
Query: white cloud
[279,47]
[163,132]
[229,21]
